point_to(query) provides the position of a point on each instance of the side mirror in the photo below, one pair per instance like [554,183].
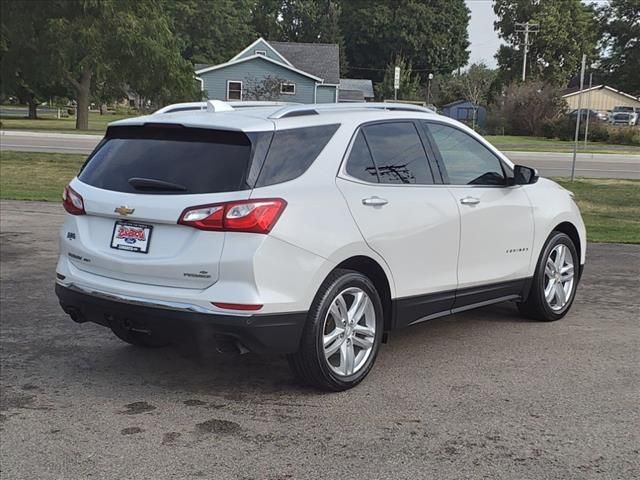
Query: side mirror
[524,175]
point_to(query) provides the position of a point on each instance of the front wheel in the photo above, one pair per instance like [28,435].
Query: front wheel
[555,280]
[342,335]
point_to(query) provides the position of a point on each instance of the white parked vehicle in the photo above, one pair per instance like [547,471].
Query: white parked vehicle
[623,115]
[309,230]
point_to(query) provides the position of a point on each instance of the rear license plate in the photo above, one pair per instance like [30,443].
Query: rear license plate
[133,237]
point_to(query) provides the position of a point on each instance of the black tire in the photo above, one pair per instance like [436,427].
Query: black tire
[309,363]
[536,306]
[139,339]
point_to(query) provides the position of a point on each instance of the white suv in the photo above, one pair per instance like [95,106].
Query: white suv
[309,230]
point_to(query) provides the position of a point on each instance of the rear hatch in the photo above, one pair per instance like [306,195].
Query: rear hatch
[136,185]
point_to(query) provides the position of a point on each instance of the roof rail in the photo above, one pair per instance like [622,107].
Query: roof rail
[209,106]
[315,109]
[220,106]
[260,103]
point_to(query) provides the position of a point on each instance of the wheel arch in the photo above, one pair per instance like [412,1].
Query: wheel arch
[571,231]
[374,272]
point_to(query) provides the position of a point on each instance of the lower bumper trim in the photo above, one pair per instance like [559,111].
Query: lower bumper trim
[266,333]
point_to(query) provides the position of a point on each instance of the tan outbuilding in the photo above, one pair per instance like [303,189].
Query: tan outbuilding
[600,98]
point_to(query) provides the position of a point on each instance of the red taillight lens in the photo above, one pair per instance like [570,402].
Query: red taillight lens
[72,201]
[255,216]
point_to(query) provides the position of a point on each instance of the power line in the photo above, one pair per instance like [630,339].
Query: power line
[526,28]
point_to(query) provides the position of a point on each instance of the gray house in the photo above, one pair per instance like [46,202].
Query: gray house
[463,110]
[355,90]
[303,72]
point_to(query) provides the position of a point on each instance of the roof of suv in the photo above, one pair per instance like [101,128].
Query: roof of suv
[263,116]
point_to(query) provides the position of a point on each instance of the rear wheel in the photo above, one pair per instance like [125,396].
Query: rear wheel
[139,339]
[342,335]
[555,280]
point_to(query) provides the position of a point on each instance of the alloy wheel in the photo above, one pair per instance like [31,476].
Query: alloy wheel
[349,332]
[559,277]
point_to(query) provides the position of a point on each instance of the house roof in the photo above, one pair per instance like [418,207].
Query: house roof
[261,57]
[362,85]
[201,66]
[457,102]
[319,59]
[254,44]
[350,95]
[576,90]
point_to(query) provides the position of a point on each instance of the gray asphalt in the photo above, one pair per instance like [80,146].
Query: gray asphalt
[483,394]
[548,163]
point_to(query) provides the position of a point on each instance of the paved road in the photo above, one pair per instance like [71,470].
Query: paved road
[549,164]
[48,142]
[483,394]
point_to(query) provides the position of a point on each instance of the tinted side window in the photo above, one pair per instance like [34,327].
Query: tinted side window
[292,152]
[466,160]
[398,153]
[360,163]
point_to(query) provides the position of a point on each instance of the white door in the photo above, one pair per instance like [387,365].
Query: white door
[411,223]
[496,220]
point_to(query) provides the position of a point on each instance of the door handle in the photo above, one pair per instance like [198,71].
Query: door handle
[374,201]
[469,201]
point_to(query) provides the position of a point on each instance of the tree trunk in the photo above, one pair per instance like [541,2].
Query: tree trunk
[33,108]
[82,89]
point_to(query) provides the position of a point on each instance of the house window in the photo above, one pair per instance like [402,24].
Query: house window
[261,52]
[288,88]
[234,90]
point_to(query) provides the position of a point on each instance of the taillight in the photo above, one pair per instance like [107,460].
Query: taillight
[72,201]
[255,216]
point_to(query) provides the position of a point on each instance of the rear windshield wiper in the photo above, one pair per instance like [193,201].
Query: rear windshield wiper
[153,184]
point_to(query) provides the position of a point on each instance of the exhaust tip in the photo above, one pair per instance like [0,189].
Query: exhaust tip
[226,344]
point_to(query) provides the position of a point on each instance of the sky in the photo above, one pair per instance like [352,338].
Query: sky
[484,40]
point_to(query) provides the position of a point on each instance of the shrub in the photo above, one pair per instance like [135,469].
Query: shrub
[562,128]
[624,135]
[526,107]
[598,132]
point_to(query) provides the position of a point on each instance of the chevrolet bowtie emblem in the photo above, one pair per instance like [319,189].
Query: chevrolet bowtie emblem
[124,210]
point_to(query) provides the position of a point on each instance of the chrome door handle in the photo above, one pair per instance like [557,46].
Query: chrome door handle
[469,201]
[374,201]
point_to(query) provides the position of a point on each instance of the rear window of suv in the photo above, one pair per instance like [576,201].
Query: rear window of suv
[169,160]
[177,160]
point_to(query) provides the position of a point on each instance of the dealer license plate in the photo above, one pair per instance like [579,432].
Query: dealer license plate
[133,237]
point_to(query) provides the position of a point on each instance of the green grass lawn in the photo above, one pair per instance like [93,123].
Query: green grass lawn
[611,208]
[36,176]
[97,123]
[540,144]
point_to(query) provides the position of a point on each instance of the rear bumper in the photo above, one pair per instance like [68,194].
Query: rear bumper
[270,333]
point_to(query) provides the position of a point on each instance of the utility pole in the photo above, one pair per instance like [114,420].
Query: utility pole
[586,125]
[575,145]
[526,28]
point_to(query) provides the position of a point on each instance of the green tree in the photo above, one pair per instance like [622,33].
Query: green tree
[410,87]
[309,21]
[265,19]
[126,42]
[567,29]
[24,55]
[211,31]
[620,24]
[432,36]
